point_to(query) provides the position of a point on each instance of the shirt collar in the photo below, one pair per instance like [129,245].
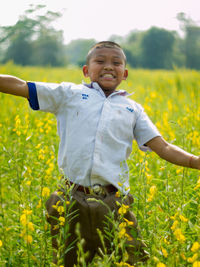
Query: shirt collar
[95,85]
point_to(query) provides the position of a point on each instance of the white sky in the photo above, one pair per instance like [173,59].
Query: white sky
[99,19]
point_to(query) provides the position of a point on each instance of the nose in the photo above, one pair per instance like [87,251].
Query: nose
[108,66]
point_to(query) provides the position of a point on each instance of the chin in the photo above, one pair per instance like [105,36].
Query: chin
[107,87]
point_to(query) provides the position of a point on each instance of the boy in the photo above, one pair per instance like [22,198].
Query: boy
[96,125]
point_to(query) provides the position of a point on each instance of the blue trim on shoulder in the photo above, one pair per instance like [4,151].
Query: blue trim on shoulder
[33,99]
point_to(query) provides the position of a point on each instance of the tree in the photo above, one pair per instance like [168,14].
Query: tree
[132,48]
[157,48]
[179,58]
[48,49]
[192,45]
[192,41]
[18,40]
[32,40]
[76,51]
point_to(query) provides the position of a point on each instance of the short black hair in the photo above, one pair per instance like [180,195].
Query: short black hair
[107,44]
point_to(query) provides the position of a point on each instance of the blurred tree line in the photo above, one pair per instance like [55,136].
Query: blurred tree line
[34,41]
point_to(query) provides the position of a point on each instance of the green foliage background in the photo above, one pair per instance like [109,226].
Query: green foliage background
[34,41]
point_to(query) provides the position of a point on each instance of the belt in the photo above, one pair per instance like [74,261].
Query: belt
[96,189]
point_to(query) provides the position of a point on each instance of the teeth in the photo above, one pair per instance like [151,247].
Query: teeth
[107,75]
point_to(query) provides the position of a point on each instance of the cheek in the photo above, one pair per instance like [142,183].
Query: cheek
[95,71]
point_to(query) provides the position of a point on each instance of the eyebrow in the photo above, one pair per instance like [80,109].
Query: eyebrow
[104,56]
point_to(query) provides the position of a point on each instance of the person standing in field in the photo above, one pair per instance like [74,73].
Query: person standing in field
[97,124]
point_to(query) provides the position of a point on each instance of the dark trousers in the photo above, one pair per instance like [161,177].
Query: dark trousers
[90,212]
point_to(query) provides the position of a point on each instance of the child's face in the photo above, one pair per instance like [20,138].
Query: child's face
[106,67]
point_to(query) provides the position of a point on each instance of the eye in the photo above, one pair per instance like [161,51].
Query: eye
[99,61]
[117,63]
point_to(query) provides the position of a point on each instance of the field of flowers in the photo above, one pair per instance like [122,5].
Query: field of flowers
[167,197]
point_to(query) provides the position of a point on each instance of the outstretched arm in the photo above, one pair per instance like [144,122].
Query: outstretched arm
[173,153]
[14,86]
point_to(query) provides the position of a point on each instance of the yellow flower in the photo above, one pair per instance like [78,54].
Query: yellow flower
[62,220]
[128,222]
[45,191]
[197,186]
[152,192]
[150,198]
[155,259]
[122,232]
[30,226]
[27,212]
[195,247]
[196,264]
[38,146]
[149,178]
[28,239]
[122,225]
[60,209]
[160,264]
[23,219]
[183,219]
[23,233]
[39,204]
[183,256]
[166,241]
[179,236]
[117,194]
[174,217]
[193,258]
[123,264]
[129,238]
[174,225]
[1,243]
[28,182]
[57,204]
[123,209]
[41,154]
[178,171]
[56,227]
[164,252]
[120,184]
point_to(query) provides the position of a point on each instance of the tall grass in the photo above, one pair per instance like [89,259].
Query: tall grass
[166,196]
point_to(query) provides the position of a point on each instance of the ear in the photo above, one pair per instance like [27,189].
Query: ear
[85,71]
[125,74]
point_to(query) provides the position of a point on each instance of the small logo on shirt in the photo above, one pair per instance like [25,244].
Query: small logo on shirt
[85,96]
[129,109]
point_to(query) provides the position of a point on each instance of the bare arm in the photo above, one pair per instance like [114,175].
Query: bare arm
[173,153]
[14,86]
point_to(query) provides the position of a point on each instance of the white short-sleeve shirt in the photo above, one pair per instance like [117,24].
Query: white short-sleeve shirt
[96,132]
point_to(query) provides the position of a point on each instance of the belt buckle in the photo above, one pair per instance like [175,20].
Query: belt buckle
[97,189]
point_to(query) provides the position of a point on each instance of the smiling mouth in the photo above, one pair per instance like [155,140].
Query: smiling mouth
[108,76]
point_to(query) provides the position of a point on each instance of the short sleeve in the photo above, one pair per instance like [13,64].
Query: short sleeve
[48,97]
[33,99]
[144,130]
